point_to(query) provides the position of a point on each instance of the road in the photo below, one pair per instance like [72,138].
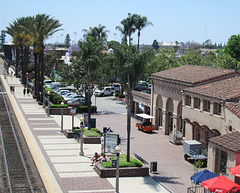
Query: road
[109,104]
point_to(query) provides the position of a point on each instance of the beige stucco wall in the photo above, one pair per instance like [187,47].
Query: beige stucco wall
[231,161]
[232,119]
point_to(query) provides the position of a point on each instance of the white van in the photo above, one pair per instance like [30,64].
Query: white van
[116,87]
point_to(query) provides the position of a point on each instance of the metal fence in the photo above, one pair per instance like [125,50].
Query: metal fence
[197,189]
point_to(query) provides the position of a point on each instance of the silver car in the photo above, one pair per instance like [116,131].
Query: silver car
[76,102]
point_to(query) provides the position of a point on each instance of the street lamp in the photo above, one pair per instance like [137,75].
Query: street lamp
[117,150]
[48,93]
[62,104]
[82,126]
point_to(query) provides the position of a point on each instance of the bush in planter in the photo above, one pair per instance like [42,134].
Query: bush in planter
[121,96]
[122,162]
[94,132]
[58,106]
[117,94]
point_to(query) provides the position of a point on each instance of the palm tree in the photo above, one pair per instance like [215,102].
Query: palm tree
[129,24]
[96,32]
[22,42]
[140,23]
[124,32]
[41,27]
[130,65]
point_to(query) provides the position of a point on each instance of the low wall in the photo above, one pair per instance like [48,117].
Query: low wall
[123,172]
[58,111]
[87,140]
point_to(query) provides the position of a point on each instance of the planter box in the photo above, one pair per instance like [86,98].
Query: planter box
[69,133]
[58,111]
[87,140]
[91,140]
[123,172]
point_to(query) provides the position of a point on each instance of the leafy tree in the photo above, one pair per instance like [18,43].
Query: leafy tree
[67,40]
[140,24]
[155,45]
[130,65]
[51,62]
[113,44]
[233,47]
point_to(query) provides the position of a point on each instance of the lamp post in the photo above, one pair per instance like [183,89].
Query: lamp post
[82,126]
[62,104]
[117,150]
[48,93]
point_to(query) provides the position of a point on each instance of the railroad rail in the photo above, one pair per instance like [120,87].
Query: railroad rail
[15,156]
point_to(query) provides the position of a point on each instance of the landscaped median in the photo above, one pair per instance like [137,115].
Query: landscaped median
[133,168]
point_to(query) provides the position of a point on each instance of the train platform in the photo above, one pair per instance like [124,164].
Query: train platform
[57,158]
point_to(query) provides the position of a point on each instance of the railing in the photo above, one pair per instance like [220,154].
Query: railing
[197,189]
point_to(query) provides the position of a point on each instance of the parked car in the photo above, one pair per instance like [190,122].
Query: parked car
[107,91]
[63,92]
[73,97]
[76,101]
[68,96]
[116,87]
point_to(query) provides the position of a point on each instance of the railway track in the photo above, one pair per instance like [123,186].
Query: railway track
[18,172]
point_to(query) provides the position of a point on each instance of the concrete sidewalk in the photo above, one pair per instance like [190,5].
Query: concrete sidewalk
[57,157]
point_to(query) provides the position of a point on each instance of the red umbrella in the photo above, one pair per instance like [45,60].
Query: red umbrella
[235,170]
[220,184]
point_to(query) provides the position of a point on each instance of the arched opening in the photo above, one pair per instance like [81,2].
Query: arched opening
[180,122]
[206,136]
[159,113]
[196,132]
[169,116]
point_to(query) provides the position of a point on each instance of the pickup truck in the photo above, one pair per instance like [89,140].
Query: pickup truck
[107,91]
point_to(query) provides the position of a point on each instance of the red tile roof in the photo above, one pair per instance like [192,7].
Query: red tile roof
[234,107]
[227,89]
[230,141]
[192,74]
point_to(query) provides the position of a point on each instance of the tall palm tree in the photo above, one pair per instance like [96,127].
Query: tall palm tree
[140,23]
[42,26]
[96,32]
[129,24]
[124,32]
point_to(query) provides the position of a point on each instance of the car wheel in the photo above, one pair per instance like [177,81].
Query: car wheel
[102,95]
[112,93]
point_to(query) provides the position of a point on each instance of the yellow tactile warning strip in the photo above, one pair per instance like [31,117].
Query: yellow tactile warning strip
[46,174]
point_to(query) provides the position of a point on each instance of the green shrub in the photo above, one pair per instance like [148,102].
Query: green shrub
[122,162]
[121,96]
[58,106]
[94,132]
[117,94]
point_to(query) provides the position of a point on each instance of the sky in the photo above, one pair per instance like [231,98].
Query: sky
[173,20]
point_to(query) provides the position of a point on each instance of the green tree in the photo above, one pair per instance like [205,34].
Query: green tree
[155,45]
[96,32]
[130,65]
[40,28]
[128,26]
[140,24]
[233,47]
[67,40]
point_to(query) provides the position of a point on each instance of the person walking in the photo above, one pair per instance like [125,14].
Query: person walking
[102,143]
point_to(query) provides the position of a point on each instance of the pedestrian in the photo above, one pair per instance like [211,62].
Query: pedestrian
[102,143]
[24,91]
[13,88]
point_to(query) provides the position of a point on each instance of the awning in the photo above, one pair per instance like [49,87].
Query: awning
[145,116]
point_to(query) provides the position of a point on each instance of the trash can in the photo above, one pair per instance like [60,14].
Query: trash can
[114,163]
[93,123]
[153,166]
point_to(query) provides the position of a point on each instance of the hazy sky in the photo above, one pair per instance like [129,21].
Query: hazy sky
[173,20]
